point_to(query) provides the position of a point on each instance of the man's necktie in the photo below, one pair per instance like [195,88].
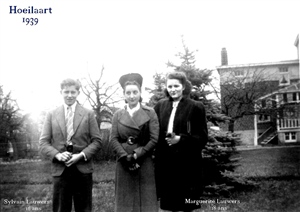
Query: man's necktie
[69,121]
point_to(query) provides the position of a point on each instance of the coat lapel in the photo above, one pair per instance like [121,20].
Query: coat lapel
[60,117]
[140,117]
[166,113]
[126,120]
[79,112]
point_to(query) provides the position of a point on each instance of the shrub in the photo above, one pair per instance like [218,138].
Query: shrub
[220,159]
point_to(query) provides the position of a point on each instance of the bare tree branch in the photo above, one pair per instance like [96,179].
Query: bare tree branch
[240,93]
[100,96]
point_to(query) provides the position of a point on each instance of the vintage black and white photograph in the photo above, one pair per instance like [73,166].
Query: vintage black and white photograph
[149,106]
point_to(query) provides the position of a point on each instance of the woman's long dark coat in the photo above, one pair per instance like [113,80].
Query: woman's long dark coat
[178,167]
[135,190]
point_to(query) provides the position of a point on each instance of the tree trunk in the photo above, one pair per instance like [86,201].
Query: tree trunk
[231,126]
[15,148]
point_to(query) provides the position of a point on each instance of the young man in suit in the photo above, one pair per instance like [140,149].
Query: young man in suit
[70,138]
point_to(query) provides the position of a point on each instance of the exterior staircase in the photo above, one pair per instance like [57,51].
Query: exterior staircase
[267,136]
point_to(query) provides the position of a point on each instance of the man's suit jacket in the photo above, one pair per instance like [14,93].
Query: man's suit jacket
[86,138]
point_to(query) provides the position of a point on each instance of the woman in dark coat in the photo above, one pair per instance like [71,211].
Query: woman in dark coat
[134,135]
[183,134]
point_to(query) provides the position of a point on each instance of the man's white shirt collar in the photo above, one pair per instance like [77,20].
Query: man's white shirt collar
[72,106]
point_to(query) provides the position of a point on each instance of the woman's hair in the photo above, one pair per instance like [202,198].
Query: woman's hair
[181,77]
[177,75]
[132,83]
[70,82]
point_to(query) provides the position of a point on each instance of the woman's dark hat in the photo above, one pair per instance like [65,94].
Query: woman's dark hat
[130,78]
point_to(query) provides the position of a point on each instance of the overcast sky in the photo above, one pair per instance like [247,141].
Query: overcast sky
[134,36]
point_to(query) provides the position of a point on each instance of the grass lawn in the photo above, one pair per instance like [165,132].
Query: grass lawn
[276,171]
[25,182]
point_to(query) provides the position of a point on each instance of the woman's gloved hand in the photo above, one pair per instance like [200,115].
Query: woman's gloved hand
[129,162]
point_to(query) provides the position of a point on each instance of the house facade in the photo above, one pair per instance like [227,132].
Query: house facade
[263,98]
[283,124]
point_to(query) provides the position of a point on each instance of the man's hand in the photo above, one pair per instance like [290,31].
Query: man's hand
[63,157]
[74,159]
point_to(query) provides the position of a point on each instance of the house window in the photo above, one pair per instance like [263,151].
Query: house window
[283,69]
[287,136]
[284,77]
[285,99]
[284,80]
[290,136]
[264,118]
[293,135]
[238,73]
[294,96]
[263,103]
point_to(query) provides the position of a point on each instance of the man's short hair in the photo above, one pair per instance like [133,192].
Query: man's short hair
[70,82]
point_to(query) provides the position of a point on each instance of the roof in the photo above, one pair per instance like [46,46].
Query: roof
[286,62]
[293,87]
[288,89]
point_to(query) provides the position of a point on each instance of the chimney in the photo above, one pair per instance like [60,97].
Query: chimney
[224,59]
